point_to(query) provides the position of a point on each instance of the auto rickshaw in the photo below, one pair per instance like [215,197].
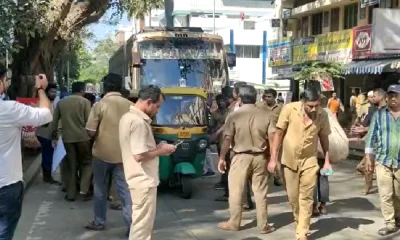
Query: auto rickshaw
[182,120]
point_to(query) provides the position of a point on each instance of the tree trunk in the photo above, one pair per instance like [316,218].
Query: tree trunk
[169,9]
[38,57]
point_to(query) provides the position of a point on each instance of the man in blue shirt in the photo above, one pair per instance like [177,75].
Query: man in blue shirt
[382,149]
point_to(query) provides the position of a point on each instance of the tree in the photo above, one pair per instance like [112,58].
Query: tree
[94,65]
[318,70]
[42,28]
[142,8]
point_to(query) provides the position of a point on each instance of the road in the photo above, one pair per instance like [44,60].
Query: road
[46,216]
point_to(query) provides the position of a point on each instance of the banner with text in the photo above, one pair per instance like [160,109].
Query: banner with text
[280,52]
[334,46]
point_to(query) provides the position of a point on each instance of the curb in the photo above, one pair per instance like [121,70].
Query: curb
[31,173]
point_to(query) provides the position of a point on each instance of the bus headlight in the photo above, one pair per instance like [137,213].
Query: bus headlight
[202,144]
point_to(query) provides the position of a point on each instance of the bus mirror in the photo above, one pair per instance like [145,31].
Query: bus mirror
[136,61]
[231,58]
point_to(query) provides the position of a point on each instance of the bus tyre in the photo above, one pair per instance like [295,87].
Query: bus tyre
[186,187]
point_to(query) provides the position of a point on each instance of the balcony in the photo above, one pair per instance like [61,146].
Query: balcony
[318,6]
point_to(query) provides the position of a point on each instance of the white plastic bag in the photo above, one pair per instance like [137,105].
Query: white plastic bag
[338,141]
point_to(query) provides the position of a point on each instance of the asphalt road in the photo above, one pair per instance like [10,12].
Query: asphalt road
[46,216]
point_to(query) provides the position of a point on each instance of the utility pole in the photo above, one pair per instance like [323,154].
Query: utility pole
[169,9]
[214,17]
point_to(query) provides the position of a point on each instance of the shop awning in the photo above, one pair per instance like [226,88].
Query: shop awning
[367,66]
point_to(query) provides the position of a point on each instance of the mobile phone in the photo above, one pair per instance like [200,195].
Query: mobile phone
[179,143]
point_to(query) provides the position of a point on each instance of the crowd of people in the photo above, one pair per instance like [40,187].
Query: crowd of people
[111,152]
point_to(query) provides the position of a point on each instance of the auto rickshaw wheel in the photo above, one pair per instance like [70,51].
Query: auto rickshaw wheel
[186,187]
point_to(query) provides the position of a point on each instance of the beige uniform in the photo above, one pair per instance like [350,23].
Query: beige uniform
[136,137]
[299,159]
[248,127]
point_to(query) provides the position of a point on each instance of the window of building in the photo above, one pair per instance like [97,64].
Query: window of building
[385,4]
[317,23]
[249,25]
[304,27]
[371,12]
[246,51]
[350,16]
[335,12]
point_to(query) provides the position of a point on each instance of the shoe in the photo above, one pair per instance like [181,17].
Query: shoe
[209,174]
[219,186]
[227,226]
[92,226]
[222,199]
[85,197]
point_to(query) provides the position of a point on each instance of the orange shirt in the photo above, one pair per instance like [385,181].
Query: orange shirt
[334,105]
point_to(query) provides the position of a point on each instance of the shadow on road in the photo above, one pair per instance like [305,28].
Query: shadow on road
[327,226]
[351,204]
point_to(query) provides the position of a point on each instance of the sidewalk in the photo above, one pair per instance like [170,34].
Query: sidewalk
[31,164]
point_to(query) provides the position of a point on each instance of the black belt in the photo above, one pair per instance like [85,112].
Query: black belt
[250,153]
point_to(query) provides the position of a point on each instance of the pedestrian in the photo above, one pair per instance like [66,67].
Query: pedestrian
[247,130]
[140,156]
[378,101]
[334,105]
[103,127]
[74,112]
[382,149]
[321,190]
[233,97]
[270,103]
[13,117]
[45,138]
[299,126]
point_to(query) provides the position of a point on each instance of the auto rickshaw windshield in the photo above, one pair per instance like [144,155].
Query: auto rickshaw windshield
[185,110]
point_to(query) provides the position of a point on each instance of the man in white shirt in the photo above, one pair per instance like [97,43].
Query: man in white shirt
[13,117]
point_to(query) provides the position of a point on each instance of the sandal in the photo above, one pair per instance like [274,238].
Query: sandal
[267,229]
[227,226]
[387,231]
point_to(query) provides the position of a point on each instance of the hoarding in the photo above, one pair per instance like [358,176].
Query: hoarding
[280,52]
[386,31]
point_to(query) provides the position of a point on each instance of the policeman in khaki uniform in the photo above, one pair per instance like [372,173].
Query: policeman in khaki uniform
[248,129]
[140,159]
[304,123]
[269,103]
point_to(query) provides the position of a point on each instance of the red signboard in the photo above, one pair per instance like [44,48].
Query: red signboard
[362,42]
[29,139]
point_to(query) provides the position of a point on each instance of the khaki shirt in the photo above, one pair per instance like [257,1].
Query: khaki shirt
[301,141]
[276,109]
[136,137]
[104,120]
[74,112]
[249,127]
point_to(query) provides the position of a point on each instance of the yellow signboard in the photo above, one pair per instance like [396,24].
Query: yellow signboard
[304,52]
[334,46]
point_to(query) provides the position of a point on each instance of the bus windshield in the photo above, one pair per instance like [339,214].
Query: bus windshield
[183,110]
[182,62]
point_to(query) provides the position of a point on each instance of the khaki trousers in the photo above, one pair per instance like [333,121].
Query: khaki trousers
[78,160]
[144,204]
[388,180]
[243,167]
[300,186]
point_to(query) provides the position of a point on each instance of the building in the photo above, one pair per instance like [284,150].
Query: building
[245,26]
[340,31]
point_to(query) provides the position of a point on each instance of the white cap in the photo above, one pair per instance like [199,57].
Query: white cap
[370,93]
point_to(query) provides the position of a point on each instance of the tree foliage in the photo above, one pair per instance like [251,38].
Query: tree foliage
[316,70]
[94,64]
[37,31]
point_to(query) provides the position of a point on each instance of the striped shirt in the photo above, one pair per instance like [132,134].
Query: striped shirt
[383,138]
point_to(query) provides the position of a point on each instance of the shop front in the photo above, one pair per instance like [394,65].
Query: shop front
[368,71]
[329,47]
